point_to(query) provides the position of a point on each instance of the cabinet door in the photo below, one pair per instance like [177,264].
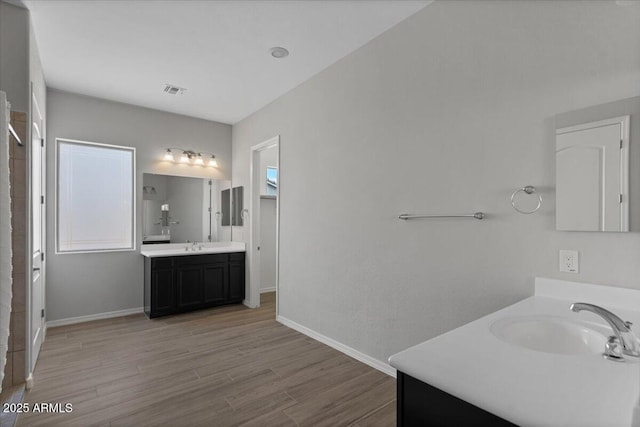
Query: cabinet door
[216,289]
[421,404]
[162,292]
[236,281]
[189,282]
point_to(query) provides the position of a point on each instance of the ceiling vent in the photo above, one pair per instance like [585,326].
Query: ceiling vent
[174,90]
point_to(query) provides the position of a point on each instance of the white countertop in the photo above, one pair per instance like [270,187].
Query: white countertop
[178,249]
[532,388]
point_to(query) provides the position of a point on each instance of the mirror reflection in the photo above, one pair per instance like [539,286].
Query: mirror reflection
[237,206]
[179,209]
[597,168]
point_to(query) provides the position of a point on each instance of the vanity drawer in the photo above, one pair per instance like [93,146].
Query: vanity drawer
[161,263]
[200,259]
[239,256]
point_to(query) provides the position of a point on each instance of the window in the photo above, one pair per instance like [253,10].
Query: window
[272,181]
[95,197]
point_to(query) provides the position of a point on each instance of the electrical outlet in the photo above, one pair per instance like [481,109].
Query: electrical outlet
[569,261]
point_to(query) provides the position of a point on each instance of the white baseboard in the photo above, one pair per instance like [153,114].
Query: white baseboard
[29,382]
[248,304]
[90,317]
[366,359]
[270,289]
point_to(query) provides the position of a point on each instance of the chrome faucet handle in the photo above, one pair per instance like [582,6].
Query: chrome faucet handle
[613,349]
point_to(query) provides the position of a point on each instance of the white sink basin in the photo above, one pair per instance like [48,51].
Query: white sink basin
[549,334]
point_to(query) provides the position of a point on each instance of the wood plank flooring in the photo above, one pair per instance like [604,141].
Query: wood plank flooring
[228,366]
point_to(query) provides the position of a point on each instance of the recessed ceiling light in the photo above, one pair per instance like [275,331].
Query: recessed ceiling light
[279,52]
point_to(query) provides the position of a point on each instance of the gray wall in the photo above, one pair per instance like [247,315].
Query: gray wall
[36,75]
[14,55]
[448,112]
[84,284]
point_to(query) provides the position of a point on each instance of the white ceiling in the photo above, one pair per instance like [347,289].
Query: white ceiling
[127,51]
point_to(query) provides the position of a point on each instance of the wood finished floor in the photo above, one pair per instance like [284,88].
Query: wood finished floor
[228,366]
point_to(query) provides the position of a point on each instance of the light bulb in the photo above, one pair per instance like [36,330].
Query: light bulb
[199,160]
[213,162]
[184,158]
[168,156]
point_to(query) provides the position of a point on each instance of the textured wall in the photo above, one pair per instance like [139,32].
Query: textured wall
[448,112]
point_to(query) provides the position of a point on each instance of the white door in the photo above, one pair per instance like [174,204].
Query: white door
[591,177]
[37,233]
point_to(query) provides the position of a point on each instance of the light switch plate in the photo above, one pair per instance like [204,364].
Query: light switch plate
[569,261]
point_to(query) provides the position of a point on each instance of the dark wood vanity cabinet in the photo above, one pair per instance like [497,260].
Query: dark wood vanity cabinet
[190,282]
[421,405]
[236,276]
[159,286]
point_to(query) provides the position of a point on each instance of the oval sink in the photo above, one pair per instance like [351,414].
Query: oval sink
[549,334]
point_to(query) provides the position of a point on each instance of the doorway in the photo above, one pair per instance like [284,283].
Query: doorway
[264,229]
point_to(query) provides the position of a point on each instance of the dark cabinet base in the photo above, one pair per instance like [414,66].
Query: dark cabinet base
[422,405]
[192,282]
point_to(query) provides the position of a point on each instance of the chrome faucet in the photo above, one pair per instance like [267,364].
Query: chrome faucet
[623,342]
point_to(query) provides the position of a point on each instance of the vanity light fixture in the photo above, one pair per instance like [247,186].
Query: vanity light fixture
[190,157]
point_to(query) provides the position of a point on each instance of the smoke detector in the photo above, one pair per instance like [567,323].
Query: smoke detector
[173,90]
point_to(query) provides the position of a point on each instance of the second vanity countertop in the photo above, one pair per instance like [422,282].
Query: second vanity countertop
[528,387]
[178,249]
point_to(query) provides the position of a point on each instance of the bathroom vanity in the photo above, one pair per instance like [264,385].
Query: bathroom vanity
[535,362]
[180,278]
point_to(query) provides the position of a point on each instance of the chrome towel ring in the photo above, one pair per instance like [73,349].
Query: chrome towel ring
[528,189]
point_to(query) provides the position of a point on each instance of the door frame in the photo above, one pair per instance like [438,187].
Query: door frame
[254,222]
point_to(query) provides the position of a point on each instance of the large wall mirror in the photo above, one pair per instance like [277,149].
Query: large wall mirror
[178,209]
[598,168]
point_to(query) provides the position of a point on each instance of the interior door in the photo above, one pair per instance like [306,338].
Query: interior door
[37,232]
